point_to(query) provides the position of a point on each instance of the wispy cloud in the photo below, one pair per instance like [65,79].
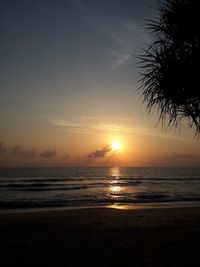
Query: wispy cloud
[99,125]
[90,125]
[70,126]
[106,118]
[120,60]
[125,35]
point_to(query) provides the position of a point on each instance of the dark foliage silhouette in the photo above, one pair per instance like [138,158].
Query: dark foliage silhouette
[171,64]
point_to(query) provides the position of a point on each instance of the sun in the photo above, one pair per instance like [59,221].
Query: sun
[115,146]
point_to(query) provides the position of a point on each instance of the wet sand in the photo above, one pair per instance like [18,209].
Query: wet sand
[101,237]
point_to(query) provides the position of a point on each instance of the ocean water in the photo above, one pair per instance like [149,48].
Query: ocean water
[78,187]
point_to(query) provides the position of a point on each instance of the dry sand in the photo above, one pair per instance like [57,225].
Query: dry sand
[101,237]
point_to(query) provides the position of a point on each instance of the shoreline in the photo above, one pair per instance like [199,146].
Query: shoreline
[130,207]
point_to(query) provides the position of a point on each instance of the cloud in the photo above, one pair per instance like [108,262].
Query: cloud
[19,151]
[99,125]
[120,60]
[100,153]
[129,40]
[48,153]
[16,151]
[92,125]
[126,36]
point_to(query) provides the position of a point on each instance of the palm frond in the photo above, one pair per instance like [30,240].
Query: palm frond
[170,76]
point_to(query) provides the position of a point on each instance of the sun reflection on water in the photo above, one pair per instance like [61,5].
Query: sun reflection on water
[115,173]
[114,187]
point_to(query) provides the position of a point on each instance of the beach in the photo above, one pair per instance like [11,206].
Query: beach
[101,237]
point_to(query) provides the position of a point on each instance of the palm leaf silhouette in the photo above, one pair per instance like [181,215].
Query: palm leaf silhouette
[170,65]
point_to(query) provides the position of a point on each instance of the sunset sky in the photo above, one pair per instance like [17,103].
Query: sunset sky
[68,87]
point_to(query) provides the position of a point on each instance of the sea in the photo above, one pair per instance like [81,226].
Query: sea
[33,188]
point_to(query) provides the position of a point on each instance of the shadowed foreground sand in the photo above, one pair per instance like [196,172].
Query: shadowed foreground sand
[101,237]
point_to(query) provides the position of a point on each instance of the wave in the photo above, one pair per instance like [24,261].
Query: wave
[16,185]
[156,197]
[95,202]
[85,179]
[50,189]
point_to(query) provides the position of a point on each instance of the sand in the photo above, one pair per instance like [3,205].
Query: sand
[101,237]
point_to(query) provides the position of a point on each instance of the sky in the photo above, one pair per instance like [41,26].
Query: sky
[68,87]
